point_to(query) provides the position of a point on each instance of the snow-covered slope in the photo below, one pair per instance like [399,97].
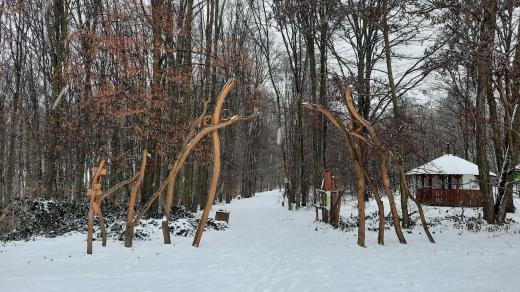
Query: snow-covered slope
[268,248]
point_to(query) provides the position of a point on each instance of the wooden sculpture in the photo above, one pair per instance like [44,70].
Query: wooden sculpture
[352,137]
[207,124]
[97,197]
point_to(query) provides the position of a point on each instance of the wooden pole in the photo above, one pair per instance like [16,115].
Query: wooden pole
[129,231]
[97,211]
[93,191]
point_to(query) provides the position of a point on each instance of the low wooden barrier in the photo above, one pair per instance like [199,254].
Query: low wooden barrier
[449,197]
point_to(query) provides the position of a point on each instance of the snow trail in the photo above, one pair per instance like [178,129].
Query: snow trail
[267,248]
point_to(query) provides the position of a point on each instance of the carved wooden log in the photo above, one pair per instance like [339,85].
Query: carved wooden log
[329,184]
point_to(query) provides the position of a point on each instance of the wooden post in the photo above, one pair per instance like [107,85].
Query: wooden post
[329,184]
[97,211]
[324,211]
[93,192]
[129,231]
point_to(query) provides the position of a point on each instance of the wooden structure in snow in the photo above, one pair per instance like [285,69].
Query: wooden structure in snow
[222,215]
[97,196]
[330,199]
[447,181]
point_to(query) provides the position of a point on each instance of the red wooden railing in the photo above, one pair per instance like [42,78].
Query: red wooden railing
[449,197]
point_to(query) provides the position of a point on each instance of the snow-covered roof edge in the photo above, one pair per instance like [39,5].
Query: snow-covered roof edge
[447,164]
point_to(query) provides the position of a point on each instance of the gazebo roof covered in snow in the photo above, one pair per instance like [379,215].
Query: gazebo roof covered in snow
[446,164]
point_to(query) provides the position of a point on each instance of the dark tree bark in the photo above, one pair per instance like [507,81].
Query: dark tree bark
[397,114]
[485,55]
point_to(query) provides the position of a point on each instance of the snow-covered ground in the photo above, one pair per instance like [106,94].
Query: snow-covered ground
[268,248]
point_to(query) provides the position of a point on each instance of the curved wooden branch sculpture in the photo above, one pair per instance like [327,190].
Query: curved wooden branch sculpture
[176,167]
[131,202]
[175,171]
[384,172]
[345,132]
[216,161]
[192,139]
[360,171]
[97,197]
[396,162]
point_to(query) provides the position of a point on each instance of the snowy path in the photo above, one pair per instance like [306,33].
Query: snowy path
[267,248]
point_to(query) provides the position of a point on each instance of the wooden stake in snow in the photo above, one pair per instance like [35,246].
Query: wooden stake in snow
[94,208]
[329,188]
[136,183]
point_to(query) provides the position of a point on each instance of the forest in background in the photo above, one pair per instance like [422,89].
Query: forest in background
[88,79]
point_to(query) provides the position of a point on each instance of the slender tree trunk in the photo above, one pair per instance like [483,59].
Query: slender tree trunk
[512,137]
[324,37]
[485,54]
[397,113]
[2,147]
[316,136]
[153,173]
[15,104]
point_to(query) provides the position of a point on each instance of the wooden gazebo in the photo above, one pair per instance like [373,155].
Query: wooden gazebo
[446,181]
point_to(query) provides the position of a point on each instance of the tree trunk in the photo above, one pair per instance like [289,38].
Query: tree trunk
[397,113]
[484,59]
